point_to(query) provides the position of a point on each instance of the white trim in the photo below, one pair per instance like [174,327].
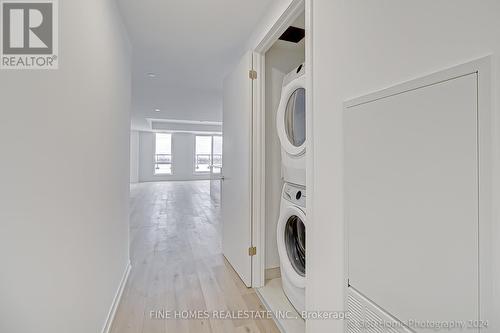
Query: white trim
[309,135]
[486,149]
[201,178]
[183,121]
[184,131]
[116,300]
[291,13]
[294,10]
[258,177]
[420,82]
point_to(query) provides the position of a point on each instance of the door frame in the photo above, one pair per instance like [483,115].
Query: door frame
[292,12]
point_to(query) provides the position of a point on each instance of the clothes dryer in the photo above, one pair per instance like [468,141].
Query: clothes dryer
[291,126]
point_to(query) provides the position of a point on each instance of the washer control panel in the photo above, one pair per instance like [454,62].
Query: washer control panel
[295,194]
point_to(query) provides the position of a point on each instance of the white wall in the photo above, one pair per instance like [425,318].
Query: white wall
[183,149]
[363,46]
[64,190]
[280,60]
[134,156]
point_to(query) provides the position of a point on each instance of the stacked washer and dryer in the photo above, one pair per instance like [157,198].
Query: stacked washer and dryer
[291,232]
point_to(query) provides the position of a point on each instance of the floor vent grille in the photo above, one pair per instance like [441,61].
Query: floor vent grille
[366,317]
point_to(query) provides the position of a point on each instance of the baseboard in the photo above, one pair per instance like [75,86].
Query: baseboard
[161,179]
[272,273]
[116,300]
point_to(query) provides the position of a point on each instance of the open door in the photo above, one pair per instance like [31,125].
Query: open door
[237,171]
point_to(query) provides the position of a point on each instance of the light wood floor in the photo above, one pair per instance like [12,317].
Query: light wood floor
[177,264]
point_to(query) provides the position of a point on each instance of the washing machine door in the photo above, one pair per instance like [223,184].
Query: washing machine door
[292,244]
[291,117]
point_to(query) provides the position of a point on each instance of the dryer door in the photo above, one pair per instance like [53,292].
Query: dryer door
[292,244]
[291,117]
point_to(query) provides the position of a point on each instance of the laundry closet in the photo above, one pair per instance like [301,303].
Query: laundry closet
[285,179]
[264,186]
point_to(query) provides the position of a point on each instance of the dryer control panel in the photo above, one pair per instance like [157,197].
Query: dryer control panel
[295,194]
[295,73]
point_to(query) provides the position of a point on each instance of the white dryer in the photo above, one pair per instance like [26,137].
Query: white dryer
[291,237]
[291,126]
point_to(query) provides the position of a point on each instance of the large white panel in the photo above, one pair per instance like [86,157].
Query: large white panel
[412,201]
[236,186]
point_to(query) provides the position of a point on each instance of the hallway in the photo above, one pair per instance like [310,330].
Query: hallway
[177,264]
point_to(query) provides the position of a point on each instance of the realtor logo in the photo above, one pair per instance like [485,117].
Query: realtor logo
[29,34]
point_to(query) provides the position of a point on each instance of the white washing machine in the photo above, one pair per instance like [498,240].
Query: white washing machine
[291,126]
[291,236]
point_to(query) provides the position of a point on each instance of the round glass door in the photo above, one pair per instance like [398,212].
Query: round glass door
[295,118]
[295,244]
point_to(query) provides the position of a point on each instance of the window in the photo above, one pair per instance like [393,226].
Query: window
[208,153]
[203,154]
[217,154]
[163,154]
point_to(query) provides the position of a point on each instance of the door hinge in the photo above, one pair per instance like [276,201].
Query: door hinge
[252,74]
[252,251]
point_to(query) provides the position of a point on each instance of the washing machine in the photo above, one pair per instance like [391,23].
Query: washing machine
[291,237]
[291,126]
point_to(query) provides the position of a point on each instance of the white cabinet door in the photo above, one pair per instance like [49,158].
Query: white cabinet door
[412,201]
[237,183]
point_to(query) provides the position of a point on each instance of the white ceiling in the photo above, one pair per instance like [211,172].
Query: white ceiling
[190,45]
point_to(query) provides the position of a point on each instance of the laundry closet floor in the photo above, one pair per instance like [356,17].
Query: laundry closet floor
[273,296]
[177,264]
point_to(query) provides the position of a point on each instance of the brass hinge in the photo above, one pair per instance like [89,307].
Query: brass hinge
[252,251]
[252,74]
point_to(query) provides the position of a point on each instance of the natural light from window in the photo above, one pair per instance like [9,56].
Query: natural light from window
[203,154]
[163,154]
[217,154]
[208,152]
